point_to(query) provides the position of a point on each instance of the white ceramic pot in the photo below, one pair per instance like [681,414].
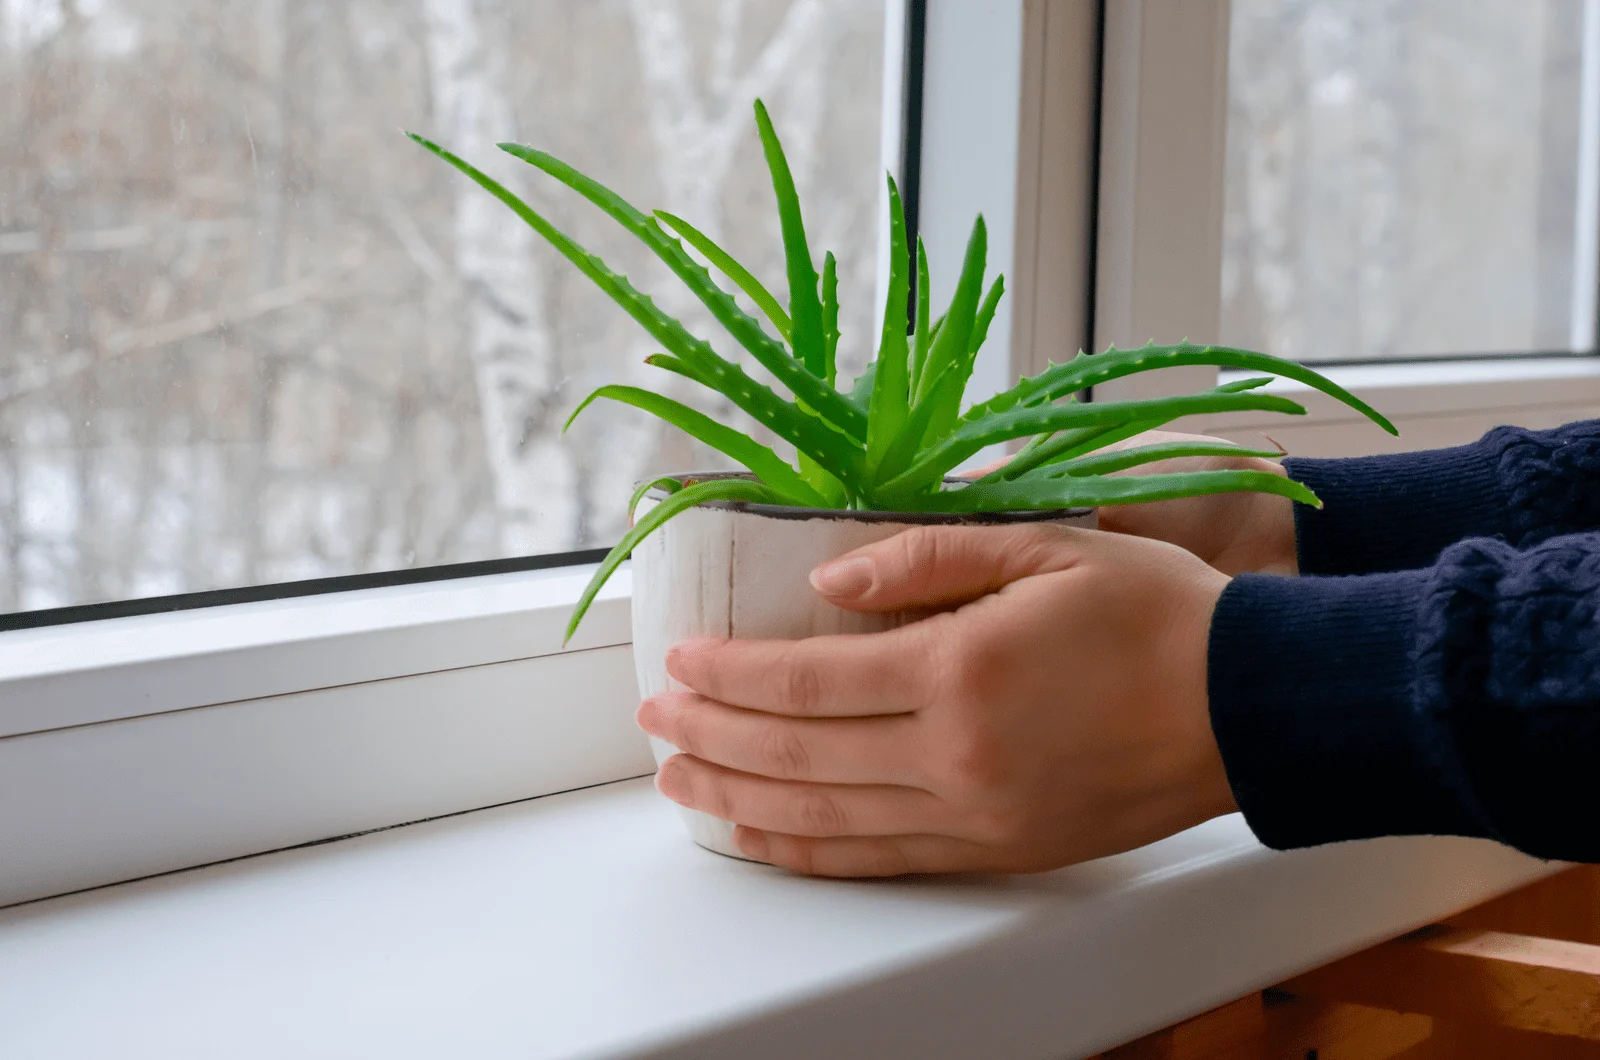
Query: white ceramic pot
[742,570]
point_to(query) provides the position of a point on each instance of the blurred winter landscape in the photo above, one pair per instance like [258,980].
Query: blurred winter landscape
[249,333]
[1403,177]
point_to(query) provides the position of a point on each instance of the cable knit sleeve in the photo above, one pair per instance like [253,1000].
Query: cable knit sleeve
[1398,512]
[1459,699]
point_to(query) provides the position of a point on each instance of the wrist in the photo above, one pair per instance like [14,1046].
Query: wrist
[1201,784]
[1212,793]
[1265,542]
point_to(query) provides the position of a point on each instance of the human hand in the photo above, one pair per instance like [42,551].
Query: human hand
[1234,532]
[1051,709]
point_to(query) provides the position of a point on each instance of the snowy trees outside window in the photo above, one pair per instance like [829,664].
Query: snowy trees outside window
[1412,177]
[249,333]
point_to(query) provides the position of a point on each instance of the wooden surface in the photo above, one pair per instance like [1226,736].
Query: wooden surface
[1517,978]
[1468,975]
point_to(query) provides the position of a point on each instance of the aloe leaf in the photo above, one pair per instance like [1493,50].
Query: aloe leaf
[1086,371]
[806,433]
[985,317]
[891,376]
[1065,445]
[730,267]
[807,386]
[1238,386]
[1055,447]
[807,336]
[968,438]
[903,450]
[762,462]
[688,497]
[947,396]
[950,347]
[1057,489]
[921,332]
[861,389]
[667,484]
[1105,463]
[676,365]
[663,328]
[832,491]
[830,318]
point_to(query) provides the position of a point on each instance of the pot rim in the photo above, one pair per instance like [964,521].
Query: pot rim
[784,511]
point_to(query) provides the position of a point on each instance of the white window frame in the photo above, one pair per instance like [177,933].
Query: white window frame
[146,744]
[1158,257]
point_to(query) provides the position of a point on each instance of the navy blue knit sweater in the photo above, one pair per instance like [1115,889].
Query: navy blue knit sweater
[1436,668]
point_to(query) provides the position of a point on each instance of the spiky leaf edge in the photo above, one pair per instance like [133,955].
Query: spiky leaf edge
[697,360]
[759,459]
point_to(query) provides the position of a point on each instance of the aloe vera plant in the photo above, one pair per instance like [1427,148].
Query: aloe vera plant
[888,442]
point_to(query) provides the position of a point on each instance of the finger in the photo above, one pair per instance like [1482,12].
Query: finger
[938,566]
[820,750]
[843,675]
[797,808]
[976,473]
[858,856]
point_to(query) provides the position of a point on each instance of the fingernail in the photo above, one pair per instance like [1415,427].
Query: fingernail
[843,577]
[648,717]
[676,657]
[680,656]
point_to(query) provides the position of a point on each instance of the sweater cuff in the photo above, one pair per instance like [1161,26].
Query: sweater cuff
[1395,512]
[1310,685]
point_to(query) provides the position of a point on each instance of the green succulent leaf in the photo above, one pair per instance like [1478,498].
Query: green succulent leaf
[663,328]
[730,267]
[950,347]
[830,318]
[1104,463]
[677,366]
[805,309]
[861,390]
[829,447]
[832,492]
[1239,386]
[931,464]
[980,326]
[666,484]
[921,332]
[1054,447]
[945,398]
[1053,488]
[1085,371]
[806,385]
[891,376]
[906,445]
[762,462]
[683,499]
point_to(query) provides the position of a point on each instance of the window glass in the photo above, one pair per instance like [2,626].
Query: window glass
[1412,177]
[249,333]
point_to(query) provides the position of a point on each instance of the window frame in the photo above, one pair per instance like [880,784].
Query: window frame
[153,742]
[1156,259]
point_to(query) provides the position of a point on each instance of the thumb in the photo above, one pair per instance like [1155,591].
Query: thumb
[941,566]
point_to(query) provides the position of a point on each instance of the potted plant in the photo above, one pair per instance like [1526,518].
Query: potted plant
[728,554]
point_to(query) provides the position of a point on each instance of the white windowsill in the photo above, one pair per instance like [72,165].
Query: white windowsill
[586,925]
